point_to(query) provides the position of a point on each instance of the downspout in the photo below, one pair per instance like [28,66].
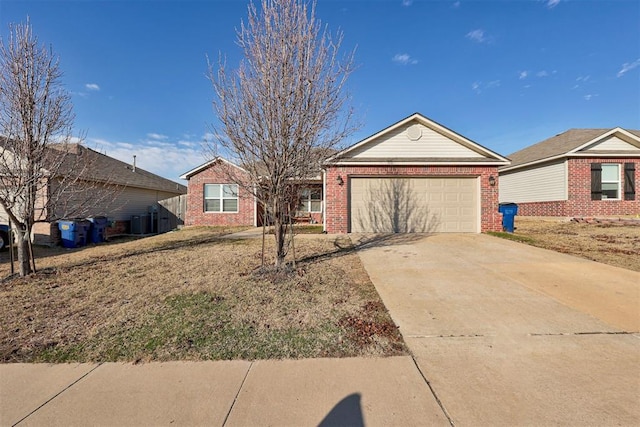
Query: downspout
[255,207]
[324,200]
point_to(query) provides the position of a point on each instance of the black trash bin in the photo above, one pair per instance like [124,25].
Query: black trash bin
[98,231]
[508,211]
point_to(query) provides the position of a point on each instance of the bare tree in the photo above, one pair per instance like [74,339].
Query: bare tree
[285,107]
[38,160]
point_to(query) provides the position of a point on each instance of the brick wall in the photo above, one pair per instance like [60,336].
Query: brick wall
[217,173]
[336,197]
[579,202]
[118,228]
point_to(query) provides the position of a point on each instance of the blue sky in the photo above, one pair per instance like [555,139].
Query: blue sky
[505,74]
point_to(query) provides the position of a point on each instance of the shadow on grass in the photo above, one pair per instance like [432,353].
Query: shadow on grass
[150,249]
[354,242]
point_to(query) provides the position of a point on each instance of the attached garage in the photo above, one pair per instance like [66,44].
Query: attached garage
[414,176]
[414,204]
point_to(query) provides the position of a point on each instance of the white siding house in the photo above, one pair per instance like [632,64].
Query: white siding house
[536,184]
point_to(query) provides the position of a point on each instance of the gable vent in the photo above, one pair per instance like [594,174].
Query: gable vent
[414,132]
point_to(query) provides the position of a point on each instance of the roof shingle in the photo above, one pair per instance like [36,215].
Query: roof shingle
[558,145]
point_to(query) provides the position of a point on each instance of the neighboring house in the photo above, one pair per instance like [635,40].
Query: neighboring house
[581,172]
[413,176]
[214,199]
[127,191]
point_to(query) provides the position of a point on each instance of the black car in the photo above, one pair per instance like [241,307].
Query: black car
[4,236]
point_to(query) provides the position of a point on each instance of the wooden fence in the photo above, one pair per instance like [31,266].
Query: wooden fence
[171,213]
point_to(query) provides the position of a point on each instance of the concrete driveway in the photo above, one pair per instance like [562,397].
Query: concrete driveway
[508,334]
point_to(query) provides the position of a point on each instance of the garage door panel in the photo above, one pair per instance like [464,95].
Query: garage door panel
[452,197]
[414,204]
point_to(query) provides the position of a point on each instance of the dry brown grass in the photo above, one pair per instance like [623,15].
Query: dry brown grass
[192,295]
[617,245]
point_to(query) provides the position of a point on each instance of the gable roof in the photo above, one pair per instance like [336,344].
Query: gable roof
[317,168]
[206,165]
[102,168]
[107,169]
[570,143]
[455,148]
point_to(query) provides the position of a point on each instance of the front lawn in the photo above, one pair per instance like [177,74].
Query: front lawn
[612,243]
[192,295]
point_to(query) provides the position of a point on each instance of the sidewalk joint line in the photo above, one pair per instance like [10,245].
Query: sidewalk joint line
[235,399]
[582,333]
[449,336]
[433,392]
[57,394]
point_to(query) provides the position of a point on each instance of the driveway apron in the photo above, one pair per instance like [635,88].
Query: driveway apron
[508,334]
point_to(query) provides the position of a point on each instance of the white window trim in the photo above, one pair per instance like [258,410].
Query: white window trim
[619,182]
[222,198]
[307,202]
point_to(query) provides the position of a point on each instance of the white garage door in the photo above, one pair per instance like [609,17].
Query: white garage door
[414,205]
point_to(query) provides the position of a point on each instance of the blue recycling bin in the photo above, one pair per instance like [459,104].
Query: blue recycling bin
[509,212]
[73,232]
[98,229]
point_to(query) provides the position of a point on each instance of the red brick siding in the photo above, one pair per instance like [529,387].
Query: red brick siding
[556,208]
[579,202]
[336,198]
[216,174]
[119,227]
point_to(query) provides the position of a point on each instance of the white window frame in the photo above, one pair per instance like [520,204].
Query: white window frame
[306,204]
[221,198]
[618,181]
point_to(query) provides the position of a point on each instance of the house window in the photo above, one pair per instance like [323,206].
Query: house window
[611,181]
[221,198]
[310,200]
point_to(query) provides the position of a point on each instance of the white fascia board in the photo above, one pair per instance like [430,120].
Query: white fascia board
[459,138]
[388,163]
[524,165]
[430,124]
[630,154]
[374,136]
[203,166]
[606,135]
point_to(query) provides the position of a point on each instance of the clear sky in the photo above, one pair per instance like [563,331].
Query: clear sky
[505,74]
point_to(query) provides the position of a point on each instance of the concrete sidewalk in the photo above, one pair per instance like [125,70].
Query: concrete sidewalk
[352,391]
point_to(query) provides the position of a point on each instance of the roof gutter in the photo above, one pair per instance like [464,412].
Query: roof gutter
[387,163]
[630,155]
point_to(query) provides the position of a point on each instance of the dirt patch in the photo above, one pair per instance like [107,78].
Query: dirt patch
[615,243]
[192,295]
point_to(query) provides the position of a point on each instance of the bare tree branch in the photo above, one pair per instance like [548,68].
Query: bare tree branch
[42,166]
[285,108]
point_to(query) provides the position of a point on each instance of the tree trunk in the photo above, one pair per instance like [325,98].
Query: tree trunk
[24,259]
[279,231]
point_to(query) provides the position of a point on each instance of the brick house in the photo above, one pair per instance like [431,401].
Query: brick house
[413,176]
[580,172]
[214,199]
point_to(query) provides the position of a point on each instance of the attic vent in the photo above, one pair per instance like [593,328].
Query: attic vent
[414,132]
